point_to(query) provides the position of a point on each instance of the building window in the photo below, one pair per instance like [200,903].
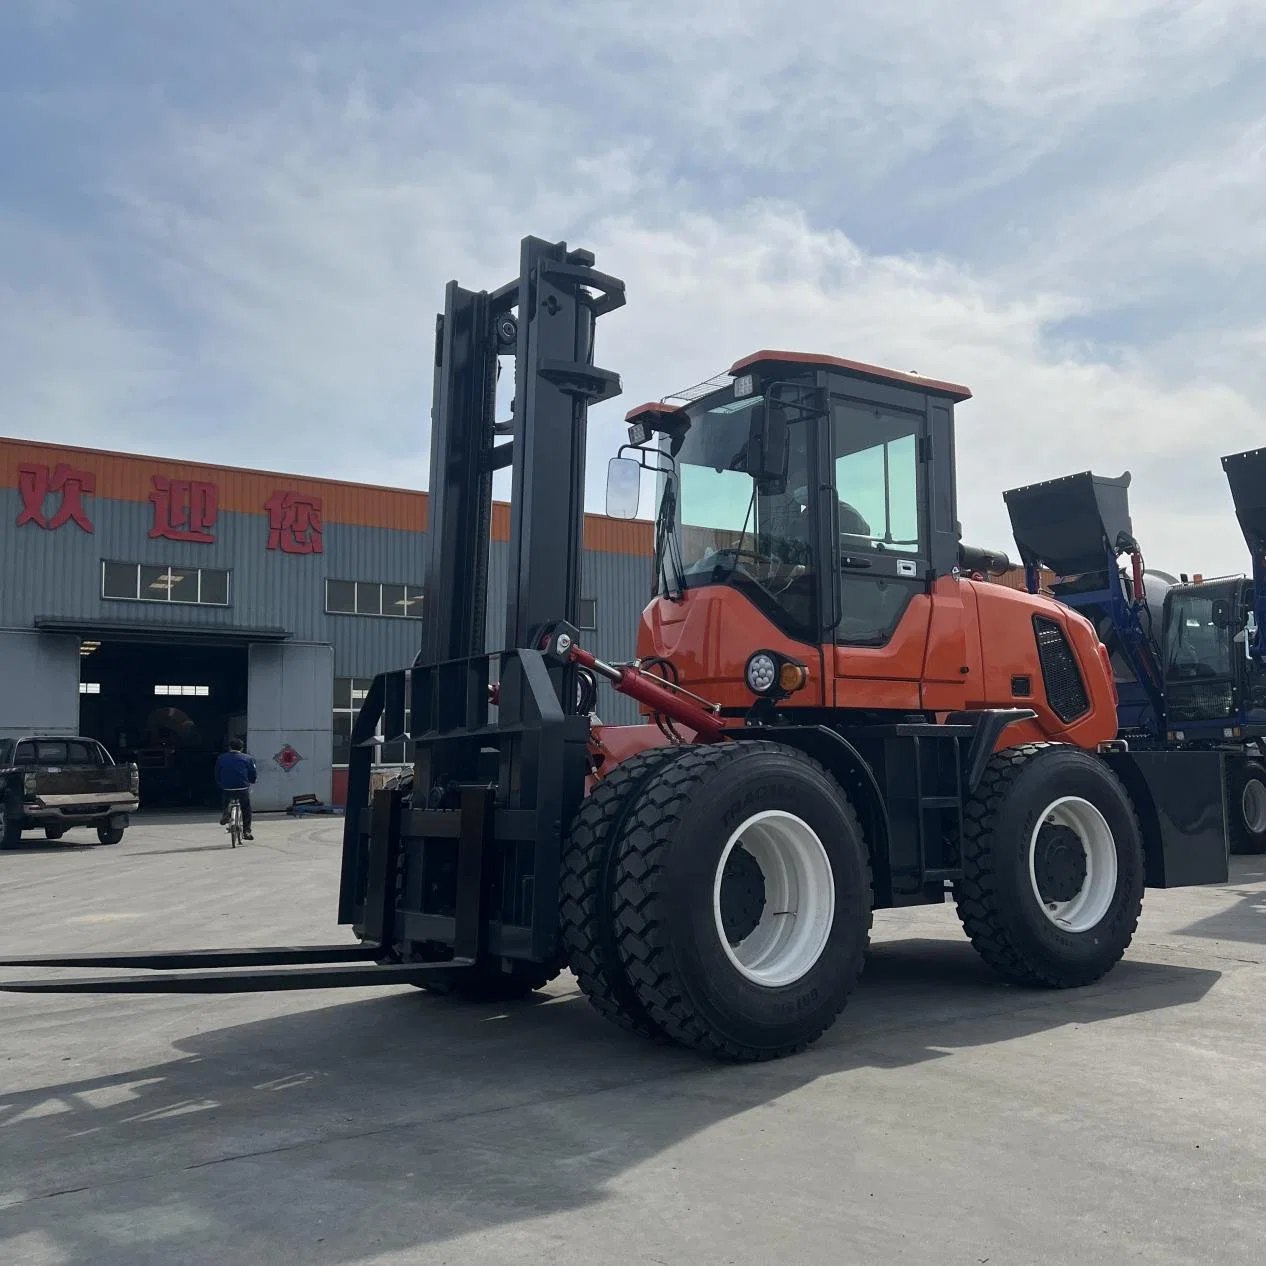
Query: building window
[349,694]
[89,687]
[141,582]
[192,692]
[587,615]
[369,597]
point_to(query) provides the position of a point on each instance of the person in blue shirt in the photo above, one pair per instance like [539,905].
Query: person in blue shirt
[234,773]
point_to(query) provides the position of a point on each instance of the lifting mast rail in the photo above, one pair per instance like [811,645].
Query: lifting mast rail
[545,318]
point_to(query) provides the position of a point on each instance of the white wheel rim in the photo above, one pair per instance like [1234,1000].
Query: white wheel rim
[1253,805]
[1083,910]
[799,908]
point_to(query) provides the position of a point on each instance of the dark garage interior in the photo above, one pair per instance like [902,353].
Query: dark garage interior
[170,709]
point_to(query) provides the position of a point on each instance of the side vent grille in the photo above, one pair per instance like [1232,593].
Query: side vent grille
[1065,689]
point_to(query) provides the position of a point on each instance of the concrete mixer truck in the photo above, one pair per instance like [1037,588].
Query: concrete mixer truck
[1188,654]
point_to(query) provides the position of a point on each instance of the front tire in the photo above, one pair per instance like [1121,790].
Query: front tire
[109,834]
[742,899]
[12,836]
[1053,869]
[585,890]
[1246,804]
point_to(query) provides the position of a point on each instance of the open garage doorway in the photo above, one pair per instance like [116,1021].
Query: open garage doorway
[171,709]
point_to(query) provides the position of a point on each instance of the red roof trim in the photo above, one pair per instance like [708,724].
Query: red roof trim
[952,389]
[653,407]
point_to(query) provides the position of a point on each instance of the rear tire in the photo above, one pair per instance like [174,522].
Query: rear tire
[585,890]
[1053,872]
[1246,807]
[12,836]
[713,843]
[109,834]
[54,832]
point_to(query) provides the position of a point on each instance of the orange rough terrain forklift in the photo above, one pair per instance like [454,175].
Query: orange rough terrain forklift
[836,718]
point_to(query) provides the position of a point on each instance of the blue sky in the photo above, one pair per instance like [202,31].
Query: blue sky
[225,229]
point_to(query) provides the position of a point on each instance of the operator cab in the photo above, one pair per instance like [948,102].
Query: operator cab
[1212,684]
[739,464]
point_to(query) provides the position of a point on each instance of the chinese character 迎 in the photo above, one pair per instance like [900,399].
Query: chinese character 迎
[184,509]
[294,523]
[36,482]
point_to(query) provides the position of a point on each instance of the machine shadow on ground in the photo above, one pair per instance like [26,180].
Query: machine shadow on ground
[1245,921]
[400,1120]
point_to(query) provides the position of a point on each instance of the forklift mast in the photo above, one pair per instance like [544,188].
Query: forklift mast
[479,869]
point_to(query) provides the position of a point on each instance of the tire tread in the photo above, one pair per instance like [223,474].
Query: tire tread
[641,917]
[976,893]
[585,900]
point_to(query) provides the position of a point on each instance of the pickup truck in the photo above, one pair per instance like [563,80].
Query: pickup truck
[55,783]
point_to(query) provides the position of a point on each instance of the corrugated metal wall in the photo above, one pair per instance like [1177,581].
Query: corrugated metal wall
[39,673]
[58,574]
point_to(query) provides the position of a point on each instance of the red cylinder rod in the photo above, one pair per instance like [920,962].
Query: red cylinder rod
[1137,560]
[645,689]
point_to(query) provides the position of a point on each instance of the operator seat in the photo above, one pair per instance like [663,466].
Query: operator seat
[852,523]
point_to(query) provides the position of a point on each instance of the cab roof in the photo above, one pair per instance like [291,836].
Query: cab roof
[767,357]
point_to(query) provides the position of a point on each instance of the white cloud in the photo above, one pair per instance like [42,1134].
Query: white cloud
[714,156]
[73,359]
[702,294]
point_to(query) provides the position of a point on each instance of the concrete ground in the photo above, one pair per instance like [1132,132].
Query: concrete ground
[946,1119]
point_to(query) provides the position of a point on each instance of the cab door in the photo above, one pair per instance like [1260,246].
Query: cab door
[882,529]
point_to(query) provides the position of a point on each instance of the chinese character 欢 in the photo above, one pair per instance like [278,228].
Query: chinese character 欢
[36,482]
[294,523]
[184,509]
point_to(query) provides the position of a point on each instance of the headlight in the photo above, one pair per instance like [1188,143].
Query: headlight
[761,673]
[773,675]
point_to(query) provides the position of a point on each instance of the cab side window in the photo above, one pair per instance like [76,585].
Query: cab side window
[882,520]
[877,479]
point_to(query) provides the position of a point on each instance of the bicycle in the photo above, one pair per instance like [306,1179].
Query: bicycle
[234,827]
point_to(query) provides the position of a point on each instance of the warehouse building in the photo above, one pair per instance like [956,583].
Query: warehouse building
[163,607]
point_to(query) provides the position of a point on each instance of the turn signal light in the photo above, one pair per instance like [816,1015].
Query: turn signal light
[792,677]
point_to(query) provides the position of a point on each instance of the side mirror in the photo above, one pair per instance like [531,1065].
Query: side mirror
[1221,614]
[624,487]
[767,443]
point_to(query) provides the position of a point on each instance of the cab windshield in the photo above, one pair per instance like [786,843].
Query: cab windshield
[718,526]
[1195,647]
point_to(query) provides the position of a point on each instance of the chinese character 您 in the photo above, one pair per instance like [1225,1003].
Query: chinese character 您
[184,509]
[36,482]
[294,523]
